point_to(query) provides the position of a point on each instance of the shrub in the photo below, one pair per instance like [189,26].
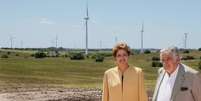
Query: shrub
[16,54]
[154,58]
[99,57]
[40,55]
[76,56]
[65,55]
[4,56]
[107,54]
[188,58]
[32,55]
[156,64]
[186,51]
[8,53]
[94,55]
[53,54]
[199,49]
[87,56]
[147,51]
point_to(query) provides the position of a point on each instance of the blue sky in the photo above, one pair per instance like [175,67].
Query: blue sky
[35,23]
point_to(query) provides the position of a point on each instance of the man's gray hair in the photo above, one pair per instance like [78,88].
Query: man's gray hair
[174,51]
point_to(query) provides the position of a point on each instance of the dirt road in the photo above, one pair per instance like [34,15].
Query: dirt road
[55,94]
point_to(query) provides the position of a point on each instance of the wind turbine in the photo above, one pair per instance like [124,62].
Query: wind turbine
[100,44]
[142,32]
[11,41]
[185,40]
[86,25]
[116,39]
[21,44]
[56,41]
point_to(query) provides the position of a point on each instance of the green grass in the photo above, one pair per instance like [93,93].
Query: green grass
[26,72]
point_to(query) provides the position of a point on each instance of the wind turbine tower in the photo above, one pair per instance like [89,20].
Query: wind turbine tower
[86,25]
[185,40]
[142,32]
[116,40]
[11,41]
[21,44]
[56,41]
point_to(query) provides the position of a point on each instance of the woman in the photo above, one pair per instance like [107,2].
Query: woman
[123,82]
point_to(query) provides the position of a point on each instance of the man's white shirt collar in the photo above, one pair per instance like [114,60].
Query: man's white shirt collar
[166,87]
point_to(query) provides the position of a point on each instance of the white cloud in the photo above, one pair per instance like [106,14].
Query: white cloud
[46,21]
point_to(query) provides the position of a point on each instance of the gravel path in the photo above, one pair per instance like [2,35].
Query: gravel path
[53,95]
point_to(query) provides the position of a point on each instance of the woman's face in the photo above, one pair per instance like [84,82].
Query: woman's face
[121,57]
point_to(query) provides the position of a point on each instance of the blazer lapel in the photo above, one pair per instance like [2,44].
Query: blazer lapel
[160,79]
[178,82]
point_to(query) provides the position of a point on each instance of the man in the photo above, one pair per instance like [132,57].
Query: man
[176,81]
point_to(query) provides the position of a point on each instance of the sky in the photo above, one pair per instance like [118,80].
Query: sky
[37,23]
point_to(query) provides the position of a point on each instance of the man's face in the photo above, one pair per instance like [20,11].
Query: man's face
[169,63]
[121,57]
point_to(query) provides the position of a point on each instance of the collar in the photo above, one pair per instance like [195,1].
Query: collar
[174,74]
[124,71]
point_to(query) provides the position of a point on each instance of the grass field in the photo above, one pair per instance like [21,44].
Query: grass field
[25,71]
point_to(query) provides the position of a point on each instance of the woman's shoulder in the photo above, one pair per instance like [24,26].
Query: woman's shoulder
[137,69]
[111,70]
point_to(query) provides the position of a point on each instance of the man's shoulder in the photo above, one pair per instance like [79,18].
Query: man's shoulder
[191,73]
[189,70]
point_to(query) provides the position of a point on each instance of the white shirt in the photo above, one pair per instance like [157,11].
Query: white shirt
[166,87]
